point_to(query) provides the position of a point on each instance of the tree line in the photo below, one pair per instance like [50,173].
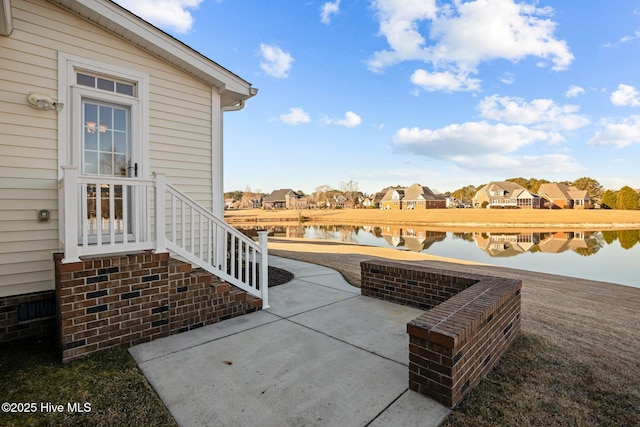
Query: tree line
[325,195]
[348,195]
[624,198]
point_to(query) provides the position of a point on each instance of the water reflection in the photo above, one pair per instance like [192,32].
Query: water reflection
[411,238]
[505,245]
[494,244]
[627,238]
[566,252]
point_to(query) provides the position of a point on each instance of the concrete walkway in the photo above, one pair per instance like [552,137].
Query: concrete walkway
[322,355]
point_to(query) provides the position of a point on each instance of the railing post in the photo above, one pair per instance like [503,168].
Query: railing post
[160,186]
[70,214]
[264,268]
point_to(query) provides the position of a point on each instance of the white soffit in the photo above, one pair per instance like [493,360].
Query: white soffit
[6,24]
[125,24]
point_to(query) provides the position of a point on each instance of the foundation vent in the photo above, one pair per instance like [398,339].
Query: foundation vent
[33,310]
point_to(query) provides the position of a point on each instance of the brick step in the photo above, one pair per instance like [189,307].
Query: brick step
[113,301]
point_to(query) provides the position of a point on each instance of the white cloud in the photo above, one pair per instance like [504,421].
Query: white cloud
[350,120]
[539,113]
[329,9]
[169,14]
[500,164]
[619,135]
[295,116]
[275,62]
[625,96]
[444,81]
[487,30]
[466,140]
[399,21]
[480,146]
[634,36]
[574,91]
[614,182]
[507,78]
[464,34]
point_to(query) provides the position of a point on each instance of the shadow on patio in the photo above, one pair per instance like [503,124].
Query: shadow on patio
[322,355]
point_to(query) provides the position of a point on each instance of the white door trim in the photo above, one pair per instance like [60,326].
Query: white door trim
[68,155]
[67,66]
[79,94]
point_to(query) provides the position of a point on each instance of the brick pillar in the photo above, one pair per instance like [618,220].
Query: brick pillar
[111,301]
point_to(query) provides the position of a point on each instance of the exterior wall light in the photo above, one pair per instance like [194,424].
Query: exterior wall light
[40,101]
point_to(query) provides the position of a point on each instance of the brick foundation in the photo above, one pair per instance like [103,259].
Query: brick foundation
[471,321]
[28,315]
[125,300]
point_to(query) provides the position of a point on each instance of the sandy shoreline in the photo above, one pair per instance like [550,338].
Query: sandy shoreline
[450,219]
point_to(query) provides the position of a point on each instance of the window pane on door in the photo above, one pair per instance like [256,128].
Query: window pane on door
[120,143]
[120,163]
[91,162]
[120,120]
[90,127]
[106,117]
[106,164]
[106,139]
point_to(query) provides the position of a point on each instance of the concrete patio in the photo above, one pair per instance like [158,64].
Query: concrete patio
[322,355]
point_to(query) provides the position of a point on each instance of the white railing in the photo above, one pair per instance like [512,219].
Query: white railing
[106,215]
[201,238]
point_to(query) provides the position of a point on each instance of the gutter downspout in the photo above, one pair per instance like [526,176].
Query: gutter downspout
[217,162]
[218,154]
[218,180]
[218,157]
[262,235]
[6,20]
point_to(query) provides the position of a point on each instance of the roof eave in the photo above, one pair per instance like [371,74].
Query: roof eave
[120,21]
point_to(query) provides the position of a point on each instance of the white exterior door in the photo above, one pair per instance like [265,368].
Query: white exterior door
[105,145]
[106,140]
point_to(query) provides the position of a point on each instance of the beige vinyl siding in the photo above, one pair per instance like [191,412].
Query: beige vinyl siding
[180,131]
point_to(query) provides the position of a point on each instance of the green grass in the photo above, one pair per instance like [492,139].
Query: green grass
[119,394]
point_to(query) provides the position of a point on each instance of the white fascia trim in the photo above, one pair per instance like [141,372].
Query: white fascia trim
[125,24]
[6,21]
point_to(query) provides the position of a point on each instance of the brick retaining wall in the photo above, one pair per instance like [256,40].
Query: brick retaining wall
[125,300]
[471,321]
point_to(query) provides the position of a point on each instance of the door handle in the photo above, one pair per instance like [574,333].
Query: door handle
[135,169]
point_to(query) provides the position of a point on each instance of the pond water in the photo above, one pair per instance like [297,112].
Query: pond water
[608,256]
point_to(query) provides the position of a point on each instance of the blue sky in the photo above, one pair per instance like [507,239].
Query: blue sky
[443,93]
